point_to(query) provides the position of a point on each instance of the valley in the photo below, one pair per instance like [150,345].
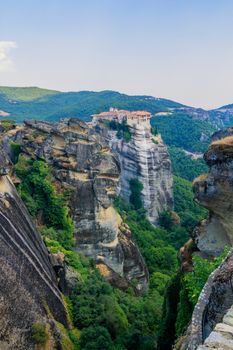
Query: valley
[110,226]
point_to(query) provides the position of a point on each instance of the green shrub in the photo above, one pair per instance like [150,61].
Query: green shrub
[194,281]
[74,259]
[67,340]
[154,130]
[15,151]
[122,129]
[158,281]
[8,124]
[40,334]
[165,219]
[96,338]
[136,188]
[43,201]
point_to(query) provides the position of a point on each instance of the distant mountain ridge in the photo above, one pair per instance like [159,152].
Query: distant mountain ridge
[35,103]
[181,126]
[25,93]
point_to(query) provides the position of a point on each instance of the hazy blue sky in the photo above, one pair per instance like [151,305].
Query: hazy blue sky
[177,49]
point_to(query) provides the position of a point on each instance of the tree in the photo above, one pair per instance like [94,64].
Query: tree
[42,199]
[165,219]
[96,338]
[136,188]
[39,333]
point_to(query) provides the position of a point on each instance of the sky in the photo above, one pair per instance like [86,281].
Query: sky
[176,49]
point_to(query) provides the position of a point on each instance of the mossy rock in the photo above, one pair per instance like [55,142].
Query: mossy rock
[40,334]
[66,342]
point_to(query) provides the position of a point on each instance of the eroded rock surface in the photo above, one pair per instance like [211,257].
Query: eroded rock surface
[146,158]
[82,164]
[222,335]
[213,304]
[209,328]
[28,287]
[214,191]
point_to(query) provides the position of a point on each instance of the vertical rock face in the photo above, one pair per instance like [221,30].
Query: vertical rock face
[215,192]
[141,158]
[212,311]
[212,317]
[28,286]
[81,163]
[144,157]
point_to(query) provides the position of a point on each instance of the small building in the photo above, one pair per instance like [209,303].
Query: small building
[134,119]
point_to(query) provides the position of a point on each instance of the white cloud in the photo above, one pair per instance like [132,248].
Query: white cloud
[6,63]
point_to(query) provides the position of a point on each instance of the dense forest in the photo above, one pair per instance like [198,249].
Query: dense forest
[184,166]
[182,131]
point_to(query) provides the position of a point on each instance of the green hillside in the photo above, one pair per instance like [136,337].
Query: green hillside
[178,129]
[34,103]
[182,131]
[25,93]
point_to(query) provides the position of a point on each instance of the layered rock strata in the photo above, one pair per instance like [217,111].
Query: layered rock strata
[146,158]
[82,164]
[209,328]
[222,335]
[214,191]
[213,304]
[29,293]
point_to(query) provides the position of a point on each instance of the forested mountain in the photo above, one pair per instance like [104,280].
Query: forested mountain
[180,126]
[34,103]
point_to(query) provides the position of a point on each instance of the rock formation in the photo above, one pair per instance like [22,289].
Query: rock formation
[222,335]
[222,133]
[212,311]
[82,164]
[214,191]
[28,292]
[212,317]
[144,156]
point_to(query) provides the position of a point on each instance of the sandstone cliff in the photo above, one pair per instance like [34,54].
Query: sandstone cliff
[82,164]
[212,317]
[214,192]
[212,323]
[28,292]
[144,157]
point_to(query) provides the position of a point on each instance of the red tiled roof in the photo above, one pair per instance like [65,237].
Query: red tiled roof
[141,113]
[120,111]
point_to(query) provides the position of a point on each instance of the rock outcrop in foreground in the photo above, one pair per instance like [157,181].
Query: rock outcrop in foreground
[87,168]
[144,157]
[28,285]
[222,335]
[214,191]
[212,317]
[212,310]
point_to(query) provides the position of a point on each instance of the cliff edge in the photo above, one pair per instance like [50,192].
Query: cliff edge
[29,293]
[142,155]
[88,169]
[211,325]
